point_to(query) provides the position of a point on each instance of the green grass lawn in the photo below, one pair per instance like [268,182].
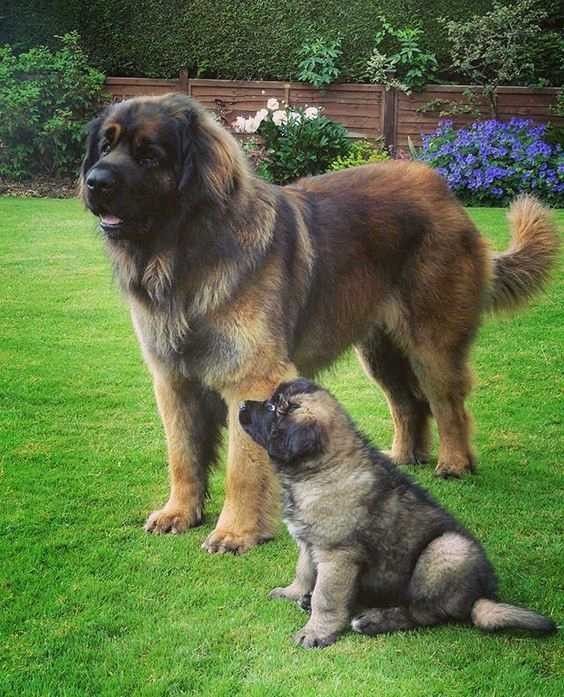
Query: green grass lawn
[91,605]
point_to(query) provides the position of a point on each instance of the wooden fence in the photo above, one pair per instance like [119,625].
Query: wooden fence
[367,111]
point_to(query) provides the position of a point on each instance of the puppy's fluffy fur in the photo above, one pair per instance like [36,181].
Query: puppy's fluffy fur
[376,551]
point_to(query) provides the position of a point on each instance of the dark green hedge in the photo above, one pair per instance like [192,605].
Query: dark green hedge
[223,38]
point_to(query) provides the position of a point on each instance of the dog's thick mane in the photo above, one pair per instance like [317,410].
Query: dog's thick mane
[223,213]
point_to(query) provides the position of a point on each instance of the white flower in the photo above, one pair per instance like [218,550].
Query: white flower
[279,117]
[239,124]
[252,124]
[249,125]
[273,104]
[261,115]
[311,112]
[294,117]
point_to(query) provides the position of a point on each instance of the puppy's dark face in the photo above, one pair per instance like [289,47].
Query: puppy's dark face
[285,425]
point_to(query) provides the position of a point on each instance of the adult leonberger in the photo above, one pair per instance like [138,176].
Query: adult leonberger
[235,285]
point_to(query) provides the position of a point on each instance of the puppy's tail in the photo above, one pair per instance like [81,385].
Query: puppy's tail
[522,270]
[491,617]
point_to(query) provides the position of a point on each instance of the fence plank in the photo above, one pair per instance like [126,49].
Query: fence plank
[366,110]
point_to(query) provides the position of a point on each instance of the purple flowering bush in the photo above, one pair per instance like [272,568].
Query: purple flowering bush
[491,162]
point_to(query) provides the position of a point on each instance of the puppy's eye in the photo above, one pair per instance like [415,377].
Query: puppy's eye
[284,408]
[147,161]
[105,149]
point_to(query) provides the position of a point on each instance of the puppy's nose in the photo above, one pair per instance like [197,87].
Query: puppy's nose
[244,414]
[100,180]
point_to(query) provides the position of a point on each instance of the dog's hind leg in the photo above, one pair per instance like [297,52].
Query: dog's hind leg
[383,621]
[445,378]
[385,362]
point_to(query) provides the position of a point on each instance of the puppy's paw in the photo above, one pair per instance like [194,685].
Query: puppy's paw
[286,593]
[230,542]
[173,519]
[309,638]
[305,602]
[369,622]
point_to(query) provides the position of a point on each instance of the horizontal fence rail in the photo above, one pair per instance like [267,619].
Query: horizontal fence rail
[367,111]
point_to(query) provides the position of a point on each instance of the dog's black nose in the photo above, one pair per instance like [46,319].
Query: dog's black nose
[101,180]
[244,414]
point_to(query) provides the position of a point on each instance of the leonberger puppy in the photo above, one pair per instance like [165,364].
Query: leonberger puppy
[373,545]
[236,285]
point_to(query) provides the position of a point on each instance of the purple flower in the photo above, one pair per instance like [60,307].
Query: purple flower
[491,161]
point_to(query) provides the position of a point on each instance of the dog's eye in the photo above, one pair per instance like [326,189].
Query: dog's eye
[146,157]
[106,148]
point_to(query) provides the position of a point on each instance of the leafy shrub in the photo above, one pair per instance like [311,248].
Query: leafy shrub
[490,162]
[362,152]
[319,62]
[497,48]
[46,98]
[406,65]
[298,142]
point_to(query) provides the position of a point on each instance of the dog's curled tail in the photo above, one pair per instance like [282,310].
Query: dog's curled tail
[522,270]
[491,617]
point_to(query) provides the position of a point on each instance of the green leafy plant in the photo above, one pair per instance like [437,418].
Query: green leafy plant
[362,152]
[468,106]
[297,142]
[498,47]
[555,129]
[405,65]
[46,98]
[319,62]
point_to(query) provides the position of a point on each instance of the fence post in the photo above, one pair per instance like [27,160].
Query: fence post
[183,81]
[390,124]
[287,94]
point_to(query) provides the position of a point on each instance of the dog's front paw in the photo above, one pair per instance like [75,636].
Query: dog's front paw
[286,593]
[455,467]
[309,638]
[227,542]
[173,519]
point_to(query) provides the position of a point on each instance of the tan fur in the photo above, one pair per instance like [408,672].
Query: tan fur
[523,269]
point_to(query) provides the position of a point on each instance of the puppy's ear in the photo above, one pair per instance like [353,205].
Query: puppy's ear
[299,442]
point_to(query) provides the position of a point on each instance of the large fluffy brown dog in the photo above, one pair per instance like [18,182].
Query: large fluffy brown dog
[235,285]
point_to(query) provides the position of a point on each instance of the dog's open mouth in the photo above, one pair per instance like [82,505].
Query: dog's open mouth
[111,225]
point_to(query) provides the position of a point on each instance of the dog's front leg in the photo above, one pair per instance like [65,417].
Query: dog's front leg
[252,500]
[192,417]
[331,600]
[304,582]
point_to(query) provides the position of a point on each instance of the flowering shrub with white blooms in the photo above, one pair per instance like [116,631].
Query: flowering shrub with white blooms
[278,116]
[298,141]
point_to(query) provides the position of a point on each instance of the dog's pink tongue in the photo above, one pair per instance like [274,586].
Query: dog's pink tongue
[110,220]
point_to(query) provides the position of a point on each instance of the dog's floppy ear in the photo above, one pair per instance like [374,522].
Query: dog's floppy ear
[298,442]
[91,156]
[211,164]
[93,130]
